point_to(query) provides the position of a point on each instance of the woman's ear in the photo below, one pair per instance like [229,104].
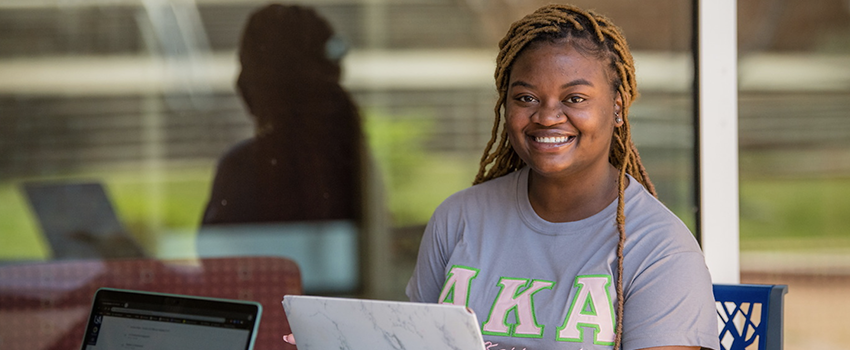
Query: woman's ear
[618,110]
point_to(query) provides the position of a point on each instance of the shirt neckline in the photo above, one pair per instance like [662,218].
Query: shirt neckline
[542,226]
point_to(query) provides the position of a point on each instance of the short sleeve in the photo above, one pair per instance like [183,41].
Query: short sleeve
[671,303]
[428,276]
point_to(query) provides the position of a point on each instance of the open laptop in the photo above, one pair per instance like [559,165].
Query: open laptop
[321,323]
[125,319]
[79,221]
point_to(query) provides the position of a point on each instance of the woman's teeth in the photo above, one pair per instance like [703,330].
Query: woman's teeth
[550,139]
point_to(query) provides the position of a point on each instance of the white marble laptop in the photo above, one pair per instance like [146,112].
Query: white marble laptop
[321,323]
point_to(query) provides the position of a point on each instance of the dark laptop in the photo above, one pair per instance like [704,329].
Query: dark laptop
[79,221]
[125,319]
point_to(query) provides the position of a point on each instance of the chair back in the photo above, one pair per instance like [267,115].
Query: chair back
[46,305]
[750,316]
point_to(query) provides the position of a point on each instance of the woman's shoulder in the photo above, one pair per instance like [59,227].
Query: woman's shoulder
[650,220]
[642,204]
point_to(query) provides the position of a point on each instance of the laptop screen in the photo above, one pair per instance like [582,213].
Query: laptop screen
[123,319]
[79,221]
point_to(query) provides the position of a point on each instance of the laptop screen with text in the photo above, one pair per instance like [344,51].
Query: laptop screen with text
[139,320]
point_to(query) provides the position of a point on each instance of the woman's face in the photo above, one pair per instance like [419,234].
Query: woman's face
[560,111]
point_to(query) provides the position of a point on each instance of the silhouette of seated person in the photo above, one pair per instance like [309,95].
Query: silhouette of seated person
[303,163]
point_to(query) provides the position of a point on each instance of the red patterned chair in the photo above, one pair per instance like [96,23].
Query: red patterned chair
[44,306]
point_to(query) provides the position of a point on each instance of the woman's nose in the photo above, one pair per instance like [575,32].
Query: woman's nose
[549,115]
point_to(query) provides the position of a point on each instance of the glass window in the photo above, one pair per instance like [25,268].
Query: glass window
[794,135]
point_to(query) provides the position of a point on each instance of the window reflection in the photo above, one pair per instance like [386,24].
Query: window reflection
[141,98]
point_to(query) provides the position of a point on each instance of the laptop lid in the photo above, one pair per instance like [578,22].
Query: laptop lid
[125,319]
[321,323]
[79,221]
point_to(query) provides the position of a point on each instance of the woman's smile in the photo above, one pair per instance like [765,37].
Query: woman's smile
[547,141]
[554,139]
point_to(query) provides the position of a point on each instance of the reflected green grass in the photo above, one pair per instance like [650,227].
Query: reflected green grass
[436,178]
[784,215]
[790,214]
[147,203]
[169,202]
[19,237]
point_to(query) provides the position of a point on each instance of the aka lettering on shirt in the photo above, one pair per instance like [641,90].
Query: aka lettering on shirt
[591,311]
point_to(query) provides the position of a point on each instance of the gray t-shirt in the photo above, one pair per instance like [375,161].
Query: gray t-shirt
[538,285]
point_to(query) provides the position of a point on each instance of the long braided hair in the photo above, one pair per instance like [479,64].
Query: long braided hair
[590,33]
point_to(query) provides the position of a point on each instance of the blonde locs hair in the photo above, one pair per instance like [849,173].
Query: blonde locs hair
[590,33]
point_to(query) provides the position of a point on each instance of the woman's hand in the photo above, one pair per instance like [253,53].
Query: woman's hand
[289,338]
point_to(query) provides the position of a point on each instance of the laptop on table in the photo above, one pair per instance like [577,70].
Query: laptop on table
[125,319]
[322,323]
[79,221]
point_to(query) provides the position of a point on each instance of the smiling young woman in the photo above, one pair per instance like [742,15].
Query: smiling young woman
[561,242]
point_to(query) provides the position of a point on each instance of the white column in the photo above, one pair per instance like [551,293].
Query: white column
[718,108]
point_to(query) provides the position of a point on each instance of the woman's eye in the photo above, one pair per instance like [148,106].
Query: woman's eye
[526,99]
[575,99]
